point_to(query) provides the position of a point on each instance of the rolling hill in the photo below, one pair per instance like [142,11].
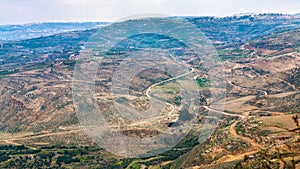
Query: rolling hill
[260,58]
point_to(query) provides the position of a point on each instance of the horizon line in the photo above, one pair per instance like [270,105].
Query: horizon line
[111,21]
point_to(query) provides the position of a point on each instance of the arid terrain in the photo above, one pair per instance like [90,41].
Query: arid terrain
[257,123]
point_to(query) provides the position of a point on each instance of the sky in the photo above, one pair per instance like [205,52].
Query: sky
[31,11]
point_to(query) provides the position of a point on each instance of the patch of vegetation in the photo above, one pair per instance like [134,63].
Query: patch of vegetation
[135,166]
[182,148]
[170,88]
[66,159]
[55,157]
[3,156]
[177,100]
[232,54]
[203,82]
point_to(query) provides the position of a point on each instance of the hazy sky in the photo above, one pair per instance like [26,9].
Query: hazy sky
[28,11]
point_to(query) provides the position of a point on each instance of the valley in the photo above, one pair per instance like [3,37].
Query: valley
[255,126]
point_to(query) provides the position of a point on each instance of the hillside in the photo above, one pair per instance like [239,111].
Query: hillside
[259,55]
[263,85]
[35,30]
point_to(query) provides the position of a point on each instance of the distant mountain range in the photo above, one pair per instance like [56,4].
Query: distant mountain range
[28,31]
[239,27]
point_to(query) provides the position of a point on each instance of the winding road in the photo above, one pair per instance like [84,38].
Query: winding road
[165,81]
[224,113]
[171,113]
[232,127]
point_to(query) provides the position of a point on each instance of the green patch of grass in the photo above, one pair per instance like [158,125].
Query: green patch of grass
[119,163]
[169,88]
[203,82]
[136,166]
[232,54]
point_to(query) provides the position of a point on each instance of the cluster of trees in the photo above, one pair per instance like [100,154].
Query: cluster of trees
[47,157]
